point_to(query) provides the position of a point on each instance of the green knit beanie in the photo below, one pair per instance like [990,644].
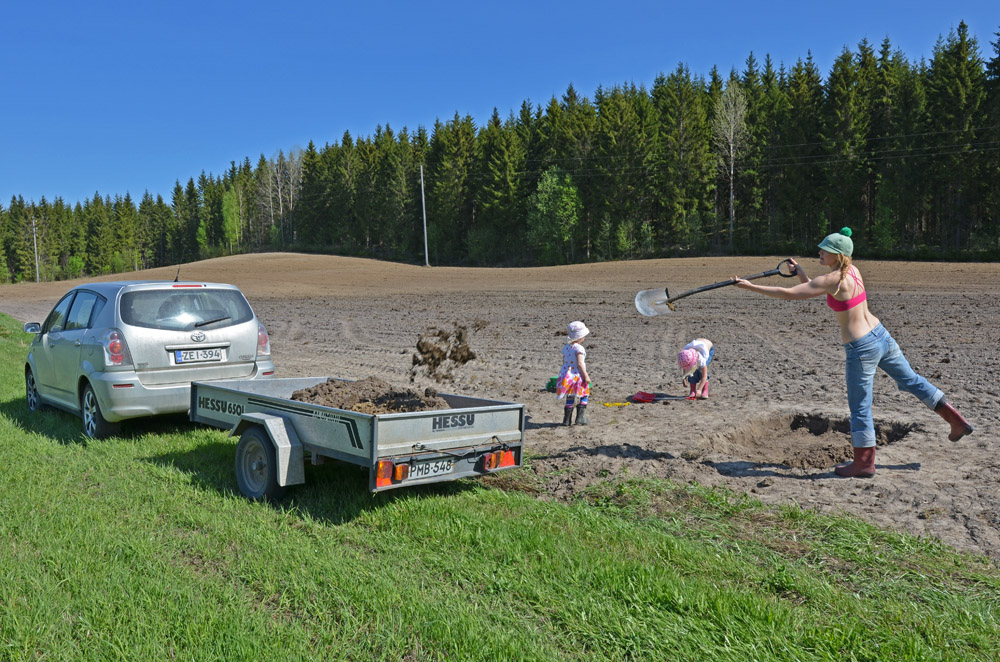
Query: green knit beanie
[839,242]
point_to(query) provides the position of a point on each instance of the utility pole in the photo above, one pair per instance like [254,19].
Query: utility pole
[34,240]
[423,204]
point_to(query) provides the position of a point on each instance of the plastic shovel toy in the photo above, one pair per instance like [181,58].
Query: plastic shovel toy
[658,301]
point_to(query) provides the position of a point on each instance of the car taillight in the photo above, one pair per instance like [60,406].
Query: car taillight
[116,352]
[263,341]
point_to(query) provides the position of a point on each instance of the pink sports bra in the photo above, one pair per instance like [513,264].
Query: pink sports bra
[841,306]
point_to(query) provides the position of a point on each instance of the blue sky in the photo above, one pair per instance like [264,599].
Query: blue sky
[117,97]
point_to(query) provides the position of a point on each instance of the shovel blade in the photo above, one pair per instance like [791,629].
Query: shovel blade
[653,302]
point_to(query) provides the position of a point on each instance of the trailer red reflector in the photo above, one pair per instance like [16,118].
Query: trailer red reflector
[498,460]
[507,459]
[383,473]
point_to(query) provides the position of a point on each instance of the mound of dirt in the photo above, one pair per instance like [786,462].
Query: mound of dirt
[370,395]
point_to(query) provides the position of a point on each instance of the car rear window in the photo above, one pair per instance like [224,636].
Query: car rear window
[185,309]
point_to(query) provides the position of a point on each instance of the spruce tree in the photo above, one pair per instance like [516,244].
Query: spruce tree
[956,93]
[684,170]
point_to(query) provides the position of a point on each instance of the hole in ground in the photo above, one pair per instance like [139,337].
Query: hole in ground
[803,441]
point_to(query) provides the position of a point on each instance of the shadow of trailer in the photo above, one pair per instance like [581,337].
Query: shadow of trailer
[277,435]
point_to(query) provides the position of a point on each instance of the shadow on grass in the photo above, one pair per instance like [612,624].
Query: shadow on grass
[66,428]
[334,492]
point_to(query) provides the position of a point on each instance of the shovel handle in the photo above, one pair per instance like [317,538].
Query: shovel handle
[791,271]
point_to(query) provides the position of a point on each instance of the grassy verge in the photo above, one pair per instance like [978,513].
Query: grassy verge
[138,547]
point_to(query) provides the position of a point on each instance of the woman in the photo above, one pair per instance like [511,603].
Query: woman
[867,345]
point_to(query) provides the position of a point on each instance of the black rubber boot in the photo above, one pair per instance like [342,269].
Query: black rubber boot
[567,416]
[581,415]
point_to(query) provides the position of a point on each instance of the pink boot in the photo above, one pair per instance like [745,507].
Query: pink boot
[863,465]
[704,392]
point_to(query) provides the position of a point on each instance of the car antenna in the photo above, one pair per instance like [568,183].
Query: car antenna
[178,276]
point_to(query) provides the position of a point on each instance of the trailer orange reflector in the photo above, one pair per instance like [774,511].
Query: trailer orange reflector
[383,473]
[401,472]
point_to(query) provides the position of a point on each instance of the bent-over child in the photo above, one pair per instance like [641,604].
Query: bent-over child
[693,361]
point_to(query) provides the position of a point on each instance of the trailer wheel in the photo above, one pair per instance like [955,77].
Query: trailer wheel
[257,466]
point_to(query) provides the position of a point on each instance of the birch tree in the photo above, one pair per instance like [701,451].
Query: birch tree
[729,136]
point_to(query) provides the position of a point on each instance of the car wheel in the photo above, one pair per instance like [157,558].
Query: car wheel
[257,467]
[94,424]
[31,392]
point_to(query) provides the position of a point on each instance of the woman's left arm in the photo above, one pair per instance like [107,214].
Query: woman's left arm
[811,288]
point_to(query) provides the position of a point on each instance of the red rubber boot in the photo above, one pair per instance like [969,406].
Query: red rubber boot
[959,426]
[863,465]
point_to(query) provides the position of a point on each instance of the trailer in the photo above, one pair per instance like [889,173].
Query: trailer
[277,435]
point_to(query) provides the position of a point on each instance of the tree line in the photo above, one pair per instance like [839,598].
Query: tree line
[764,160]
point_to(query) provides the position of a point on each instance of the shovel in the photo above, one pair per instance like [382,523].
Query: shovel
[658,301]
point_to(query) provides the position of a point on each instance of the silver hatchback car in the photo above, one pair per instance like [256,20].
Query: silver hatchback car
[113,351]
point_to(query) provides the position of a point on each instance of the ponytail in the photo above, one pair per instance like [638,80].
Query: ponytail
[843,264]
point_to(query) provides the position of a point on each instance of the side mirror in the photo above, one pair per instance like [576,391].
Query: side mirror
[32,327]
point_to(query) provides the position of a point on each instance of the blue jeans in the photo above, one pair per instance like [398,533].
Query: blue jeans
[877,349]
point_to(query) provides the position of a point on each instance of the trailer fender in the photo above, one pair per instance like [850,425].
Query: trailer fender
[287,447]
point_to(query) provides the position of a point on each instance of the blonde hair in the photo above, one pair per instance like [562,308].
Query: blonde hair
[843,264]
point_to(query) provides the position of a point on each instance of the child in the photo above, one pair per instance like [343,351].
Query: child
[574,380]
[693,361]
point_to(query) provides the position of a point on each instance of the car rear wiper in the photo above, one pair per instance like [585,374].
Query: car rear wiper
[217,319]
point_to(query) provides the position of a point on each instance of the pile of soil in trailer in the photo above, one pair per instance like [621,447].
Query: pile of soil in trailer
[370,395]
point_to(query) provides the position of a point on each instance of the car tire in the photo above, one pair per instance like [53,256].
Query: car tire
[257,467]
[95,426]
[31,396]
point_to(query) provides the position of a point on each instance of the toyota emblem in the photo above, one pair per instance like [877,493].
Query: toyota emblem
[197,336]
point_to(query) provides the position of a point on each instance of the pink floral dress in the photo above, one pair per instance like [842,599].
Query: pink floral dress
[570,382]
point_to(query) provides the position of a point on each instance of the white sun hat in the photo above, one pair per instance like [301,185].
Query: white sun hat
[577,330]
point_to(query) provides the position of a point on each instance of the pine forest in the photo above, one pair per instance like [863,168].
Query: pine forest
[765,160]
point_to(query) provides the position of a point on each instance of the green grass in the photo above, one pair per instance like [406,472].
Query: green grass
[138,547]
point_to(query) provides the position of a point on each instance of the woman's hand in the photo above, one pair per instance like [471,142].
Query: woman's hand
[740,282]
[797,270]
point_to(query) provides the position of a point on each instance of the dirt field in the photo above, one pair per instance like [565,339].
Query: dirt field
[776,420]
